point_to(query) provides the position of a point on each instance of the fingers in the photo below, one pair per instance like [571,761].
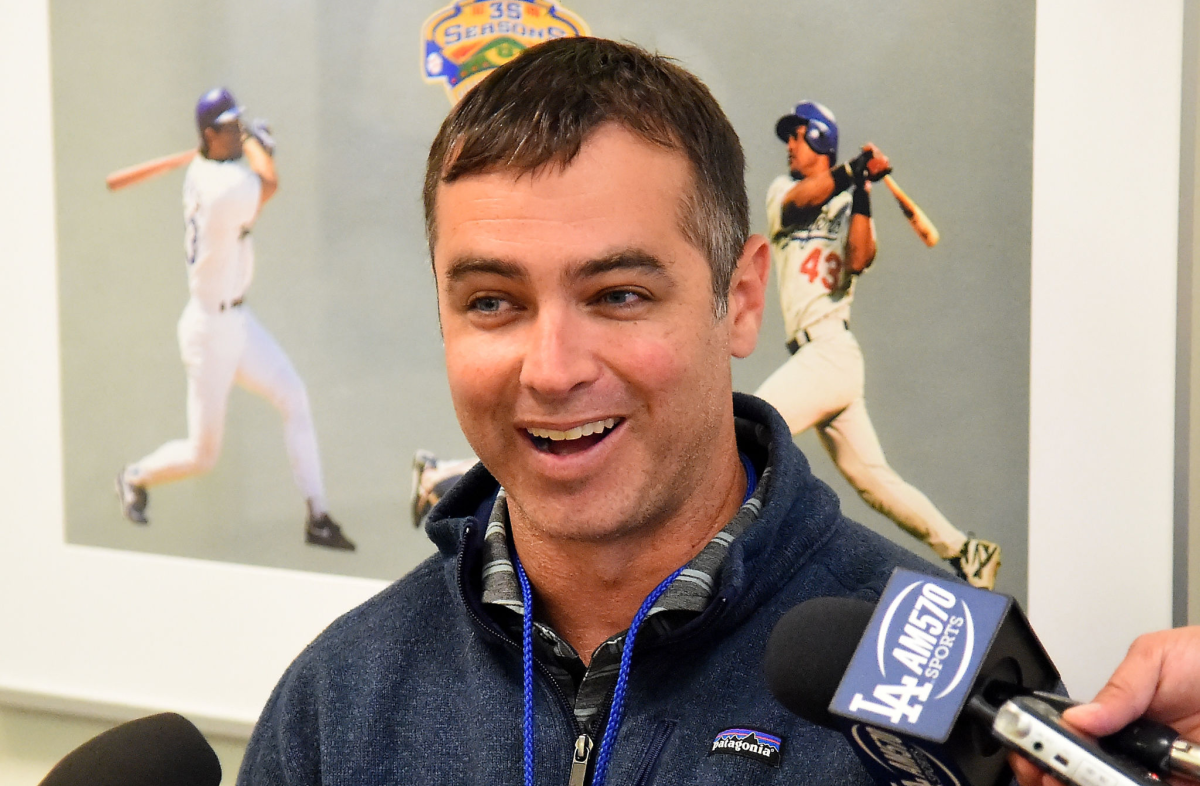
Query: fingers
[1028,774]
[878,164]
[1128,693]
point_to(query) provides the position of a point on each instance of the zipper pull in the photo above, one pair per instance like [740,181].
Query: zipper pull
[579,761]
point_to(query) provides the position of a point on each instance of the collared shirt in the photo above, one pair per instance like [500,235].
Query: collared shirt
[588,688]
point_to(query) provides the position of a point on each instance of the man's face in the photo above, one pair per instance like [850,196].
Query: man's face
[586,365]
[801,157]
[224,141]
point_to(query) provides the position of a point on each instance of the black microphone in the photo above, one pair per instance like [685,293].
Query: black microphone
[808,652]
[159,750]
[813,644]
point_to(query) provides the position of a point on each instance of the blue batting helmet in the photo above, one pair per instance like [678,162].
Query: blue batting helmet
[820,127]
[215,107]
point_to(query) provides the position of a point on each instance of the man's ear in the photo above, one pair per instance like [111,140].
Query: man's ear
[747,295]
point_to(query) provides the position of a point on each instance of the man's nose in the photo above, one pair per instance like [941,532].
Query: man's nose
[559,357]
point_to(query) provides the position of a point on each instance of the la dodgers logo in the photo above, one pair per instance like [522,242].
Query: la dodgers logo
[463,41]
[927,633]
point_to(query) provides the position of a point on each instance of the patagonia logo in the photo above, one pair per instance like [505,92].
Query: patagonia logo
[752,744]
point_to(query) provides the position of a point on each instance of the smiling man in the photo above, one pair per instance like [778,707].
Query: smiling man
[608,576]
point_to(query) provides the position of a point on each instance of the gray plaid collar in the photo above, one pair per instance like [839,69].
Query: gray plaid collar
[692,591]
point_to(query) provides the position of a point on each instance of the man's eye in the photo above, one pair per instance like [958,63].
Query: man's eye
[486,305]
[620,297]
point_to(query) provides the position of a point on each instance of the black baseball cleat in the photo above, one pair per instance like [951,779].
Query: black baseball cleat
[324,531]
[977,563]
[133,499]
[432,479]
[418,499]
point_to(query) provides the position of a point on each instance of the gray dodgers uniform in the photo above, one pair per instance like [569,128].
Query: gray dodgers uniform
[822,383]
[220,340]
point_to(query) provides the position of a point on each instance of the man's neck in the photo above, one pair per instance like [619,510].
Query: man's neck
[590,591]
[218,157]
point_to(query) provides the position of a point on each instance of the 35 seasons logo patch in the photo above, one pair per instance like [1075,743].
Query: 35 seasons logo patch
[750,743]
[463,41]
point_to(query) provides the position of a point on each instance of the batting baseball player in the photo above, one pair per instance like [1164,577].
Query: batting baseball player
[822,239]
[219,339]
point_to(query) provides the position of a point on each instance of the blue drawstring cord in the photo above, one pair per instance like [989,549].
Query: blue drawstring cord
[526,665]
[617,711]
[618,703]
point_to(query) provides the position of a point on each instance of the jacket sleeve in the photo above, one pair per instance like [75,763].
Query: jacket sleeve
[284,749]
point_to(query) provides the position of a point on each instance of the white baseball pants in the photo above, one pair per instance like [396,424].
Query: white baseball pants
[220,348]
[822,385]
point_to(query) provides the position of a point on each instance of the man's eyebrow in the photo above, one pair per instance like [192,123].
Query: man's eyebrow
[630,259]
[467,266]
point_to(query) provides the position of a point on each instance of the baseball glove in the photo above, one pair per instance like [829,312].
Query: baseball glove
[260,130]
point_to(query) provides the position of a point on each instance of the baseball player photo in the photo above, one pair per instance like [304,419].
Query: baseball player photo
[222,344]
[822,239]
[342,279]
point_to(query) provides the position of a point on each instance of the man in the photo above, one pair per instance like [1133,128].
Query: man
[822,239]
[220,340]
[608,576]
[1159,679]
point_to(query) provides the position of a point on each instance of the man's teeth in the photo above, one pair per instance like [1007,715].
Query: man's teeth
[587,429]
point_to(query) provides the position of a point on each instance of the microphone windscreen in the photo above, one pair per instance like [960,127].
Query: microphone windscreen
[159,750]
[809,651]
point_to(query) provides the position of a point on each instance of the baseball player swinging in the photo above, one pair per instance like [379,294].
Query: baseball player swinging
[822,238]
[220,340]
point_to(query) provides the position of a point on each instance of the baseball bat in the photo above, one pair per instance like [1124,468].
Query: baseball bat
[915,215]
[147,169]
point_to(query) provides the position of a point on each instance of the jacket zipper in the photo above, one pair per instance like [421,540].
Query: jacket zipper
[583,743]
[580,760]
[581,753]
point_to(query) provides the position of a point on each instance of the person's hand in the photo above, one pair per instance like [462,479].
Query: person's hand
[878,164]
[1159,679]
[261,130]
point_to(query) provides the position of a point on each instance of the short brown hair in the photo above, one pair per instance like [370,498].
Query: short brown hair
[540,108]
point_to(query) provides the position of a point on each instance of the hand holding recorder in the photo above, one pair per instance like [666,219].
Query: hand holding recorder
[931,682]
[1159,679]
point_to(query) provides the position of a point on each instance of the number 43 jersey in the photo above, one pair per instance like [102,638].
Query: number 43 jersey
[808,248]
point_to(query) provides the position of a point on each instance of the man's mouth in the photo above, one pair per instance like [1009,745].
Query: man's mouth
[573,440]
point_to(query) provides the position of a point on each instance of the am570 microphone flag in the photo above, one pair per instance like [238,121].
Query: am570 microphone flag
[930,645]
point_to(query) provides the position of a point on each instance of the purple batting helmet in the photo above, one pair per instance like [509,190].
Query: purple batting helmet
[215,107]
[820,128]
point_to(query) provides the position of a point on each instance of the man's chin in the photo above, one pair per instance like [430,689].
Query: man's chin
[574,520]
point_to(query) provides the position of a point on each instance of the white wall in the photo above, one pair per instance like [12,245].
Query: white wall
[1105,201]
